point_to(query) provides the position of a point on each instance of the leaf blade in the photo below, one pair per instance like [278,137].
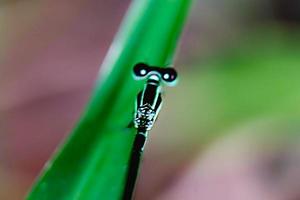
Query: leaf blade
[92,162]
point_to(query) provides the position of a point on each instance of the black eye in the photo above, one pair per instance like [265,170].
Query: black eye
[169,75]
[141,69]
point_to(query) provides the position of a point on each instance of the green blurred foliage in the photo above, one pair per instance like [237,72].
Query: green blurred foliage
[257,77]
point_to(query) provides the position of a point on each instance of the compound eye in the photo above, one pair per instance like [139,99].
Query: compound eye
[141,70]
[169,75]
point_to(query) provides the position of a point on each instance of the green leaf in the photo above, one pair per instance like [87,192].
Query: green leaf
[92,163]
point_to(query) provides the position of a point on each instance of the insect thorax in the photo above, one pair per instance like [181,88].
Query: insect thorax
[144,117]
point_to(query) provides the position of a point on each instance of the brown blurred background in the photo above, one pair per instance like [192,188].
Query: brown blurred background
[238,129]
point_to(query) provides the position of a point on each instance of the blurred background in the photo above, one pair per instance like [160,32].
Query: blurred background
[236,106]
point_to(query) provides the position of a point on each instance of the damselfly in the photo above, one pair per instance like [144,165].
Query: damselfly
[147,107]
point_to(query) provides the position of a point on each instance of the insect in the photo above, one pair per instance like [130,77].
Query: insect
[147,107]
[149,100]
